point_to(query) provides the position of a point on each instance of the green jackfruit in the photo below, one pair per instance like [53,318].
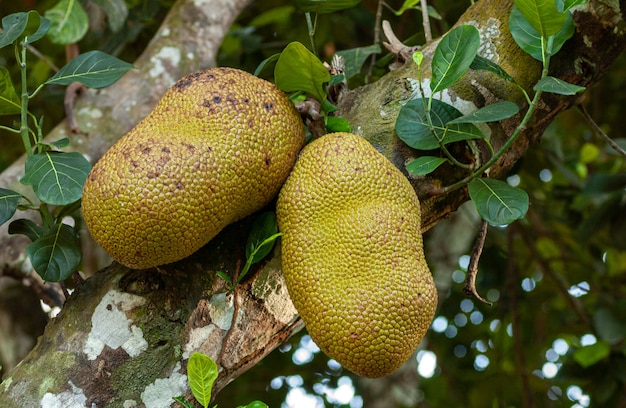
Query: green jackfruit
[216,148]
[352,254]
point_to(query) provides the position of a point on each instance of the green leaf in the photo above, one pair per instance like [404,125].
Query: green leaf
[56,254]
[609,327]
[56,177]
[325,6]
[275,15]
[20,25]
[589,355]
[565,5]
[116,12]
[254,404]
[10,103]
[425,165]
[542,15]
[557,86]
[224,276]
[269,60]
[68,22]
[413,128]
[355,58]
[337,124]
[9,200]
[297,69]
[61,143]
[490,113]
[482,63]
[529,39]
[27,228]
[497,202]
[453,56]
[418,58]
[264,227]
[181,400]
[202,373]
[94,69]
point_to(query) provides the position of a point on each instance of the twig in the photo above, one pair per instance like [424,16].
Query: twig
[377,24]
[472,269]
[594,126]
[426,21]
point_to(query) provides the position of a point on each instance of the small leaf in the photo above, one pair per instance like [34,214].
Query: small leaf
[224,276]
[325,6]
[10,103]
[264,226]
[269,60]
[589,355]
[254,404]
[27,228]
[497,202]
[56,177]
[19,25]
[297,69]
[68,22]
[56,254]
[453,56]
[529,39]
[337,124]
[181,400]
[413,128]
[61,143]
[482,63]
[94,69]
[565,5]
[490,113]
[355,58]
[418,58]
[425,165]
[542,15]
[557,86]
[9,200]
[202,373]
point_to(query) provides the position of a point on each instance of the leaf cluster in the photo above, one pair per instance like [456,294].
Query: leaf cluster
[55,177]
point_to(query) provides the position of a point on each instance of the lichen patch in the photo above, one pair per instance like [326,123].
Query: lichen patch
[74,398]
[159,394]
[110,326]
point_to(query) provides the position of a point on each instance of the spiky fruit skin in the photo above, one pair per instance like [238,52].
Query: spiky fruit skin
[216,148]
[352,255]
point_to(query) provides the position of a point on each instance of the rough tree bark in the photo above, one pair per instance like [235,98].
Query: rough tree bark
[124,336]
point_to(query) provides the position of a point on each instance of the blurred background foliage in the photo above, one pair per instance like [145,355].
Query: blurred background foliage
[554,336]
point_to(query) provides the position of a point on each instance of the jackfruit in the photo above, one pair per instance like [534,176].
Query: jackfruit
[216,148]
[352,254]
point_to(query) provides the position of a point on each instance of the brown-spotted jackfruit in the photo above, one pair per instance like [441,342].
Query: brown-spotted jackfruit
[352,254]
[216,148]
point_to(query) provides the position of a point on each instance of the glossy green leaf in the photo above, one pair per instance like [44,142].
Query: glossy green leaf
[542,15]
[425,165]
[482,63]
[337,124]
[565,5]
[60,143]
[497,202]
[20,25]
[529,39]
[297,69]
[453,56]
[325,6]
[355,58]
[94,69]
[202,373]
[9,200]
[68,22]
[57,177]
[413,128]
[267,61]
[181,400]
[26,227]
[10,103]
[56,254]
[490,113]
[254,404]
[264,227]
[589,355]
[557,86]
[116,11]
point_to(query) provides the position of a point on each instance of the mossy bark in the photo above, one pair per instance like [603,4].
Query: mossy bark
[124,336]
